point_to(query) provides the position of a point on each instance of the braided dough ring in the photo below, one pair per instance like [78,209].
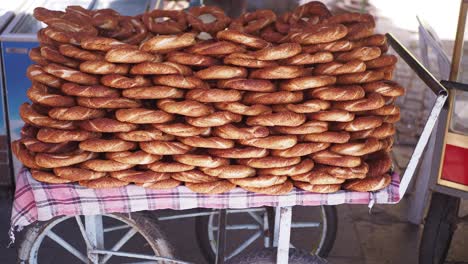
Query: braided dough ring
[338,93]
[333,115]
[240,153]
[103,67]
[308,82]
[47,177]
[153,92]
[48,160]
[213,95]
[309,58]
[205,161]
[207,142]
[147,134]
[317,188]
[278,72]
[34,145]
[368,184]
[371,102]
[104,182]
[336,68]
[281,97]
[289,119]
[109,103]
[107,125]
[221,22]
[182,129]
[230,171]
[215,187]
[259,181]
[245,110]
[251,22]
[242,38]
[70,74]
[304,166]
[215,119]
[221,72]
[271,142]
[40,94]
[247,60]
[76,113]
[168,43]
[23,155]
[176,24]
[333,159]
[135,176]
[166,67]
[106,145]
[215,48]
[304,129]
[137,158]
[36,73]
[31,116]
[328,137]
[160,166]
[50,135]
[77,174]
[101,165]
[89,91]
[123,82]
[158,147]
[279,189]
[309,106]
[254,85]
[192,59]
[270,162]
[143,116]
[300,149]
[230,131]
[186,108]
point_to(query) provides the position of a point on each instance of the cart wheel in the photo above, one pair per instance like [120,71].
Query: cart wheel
[439,227]
[268,256]
[312,229]
[65,236]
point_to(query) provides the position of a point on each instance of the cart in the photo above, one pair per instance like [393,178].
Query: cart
[108,219]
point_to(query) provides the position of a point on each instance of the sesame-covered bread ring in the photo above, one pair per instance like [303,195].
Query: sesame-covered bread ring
[77,174]
[240,153]
[34,145]
[317,177]
[338,93]
[180,81]
[102,44]
[40,94]
[259,181]
[357,148]
[47,177]
[221,22]
[221,72]
[142,116]
[89,90]
[102,165]
[123,82]
[289,119]
[309,106]
[360,123]
[278,52]
[215,48]
[308,82]
[321,33]
[160,166]
[385,88]
[166,67]
[145,134]
[278,72]
[230,131]
[270,162]
[106,145]
[215,119]
[103,183]
[271,142]
[241,109]
[31,116]
[158,147]
[193,176]
[300,149]
[160,185]
[242,38]
[306,128]
[379,163]
[75,52]
[247,60]
[70,74]
[337,68]
[230,171]
[109,103]
[51,135]
[310,58]
[103,67]
[37,73]
[52,54]
[192,59]
[281,97]
[333,159]
[304,166]
[187,108]
[106,125]
[382,61]
[332,115]
[213,95]
[205,161]
[254,85]
[278,189]
[167,43]
[36,57]
[181,129]
[361,53]
[251,22]
[360,77]
[176,24]
[368,184]
[328,137]
[136,176]
[207,142]
[76,113]
[153,92]
[371,102]
[317,188]
[137,157]
[48,160]
[25,156]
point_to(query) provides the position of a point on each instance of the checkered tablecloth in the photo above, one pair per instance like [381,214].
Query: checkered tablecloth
[36,201]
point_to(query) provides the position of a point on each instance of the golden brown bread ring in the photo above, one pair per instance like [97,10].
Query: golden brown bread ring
[309,10]
[300,149]
[129,55]
[51,135]
[180,81]
[167,43]
[153,92]
[186,108]
[371,102]
[135,176]
[160,166]
[145,134]
[34,145]
[317,188]
[89,91]
[70,74]
[382,61]
[319,34]
[48,160]
[215,48]
[333,115]
[368,184]
[337,68]
[391,118]
[289,119]
[149,67]
[309,58]
[103,165]
[160,185]
[304,166]
[28,131]
[259,181]
[192,59]
[213,95]
[278,52]
[230,131]
[278,72]
[23,155]
[31,116]
[36,57]
[205,161]
[381,132]
[385,88]
[215,119]
[60,36]
[269,162]
[360,77]
[306,128]
[103,67]
[77,174]
[308,82]
[387,144]
[176,23]
[242,38]
[106,125]
[52,54]
[106,102]
[361,30]
[254,85]
[102,43]
[317,177]
[230,171]
[104,182]
[76,113]
[240,153]
[327,157]
[221,72]
[271,142]
[379,163]
[137,157]
[159,147]
[309,106]
[328,137]
[281,97]
[181,129]
[241,109]
[207,142]
[279,189]
[361,54]
[142,116]
[251,22]
[360,123]
[36,73]
[221,22]
[247,60]
[338,93]
[374,40]
[357,148]
[335,46]
[358,172]
[215,187]
[48,177]
[75,52]
[123,82]
[106,145]
[350,17]
[43,39]
[40,94]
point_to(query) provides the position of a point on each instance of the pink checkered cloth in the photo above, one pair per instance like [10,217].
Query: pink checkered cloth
[36,201]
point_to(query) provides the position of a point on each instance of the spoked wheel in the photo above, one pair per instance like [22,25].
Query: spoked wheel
[440,224]
[313,229]
[70,239]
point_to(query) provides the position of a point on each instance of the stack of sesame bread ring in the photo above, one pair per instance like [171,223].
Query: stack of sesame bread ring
[267,103]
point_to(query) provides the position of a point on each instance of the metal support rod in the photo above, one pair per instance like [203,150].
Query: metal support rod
[221,236]
[95,234]
[283,225]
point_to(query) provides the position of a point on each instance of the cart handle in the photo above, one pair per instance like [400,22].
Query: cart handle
[455,85]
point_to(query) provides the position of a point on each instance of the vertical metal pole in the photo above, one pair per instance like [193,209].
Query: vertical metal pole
[221,236]
[94,231]
[283,233]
